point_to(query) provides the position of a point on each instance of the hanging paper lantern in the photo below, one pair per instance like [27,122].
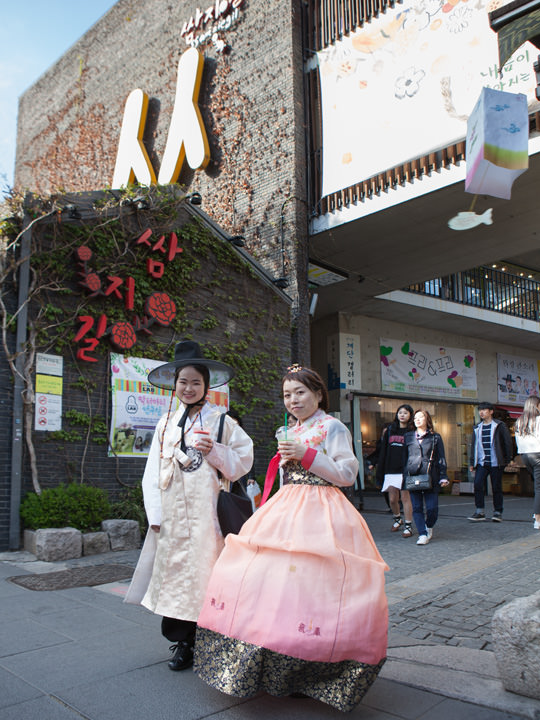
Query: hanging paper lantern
[497,143]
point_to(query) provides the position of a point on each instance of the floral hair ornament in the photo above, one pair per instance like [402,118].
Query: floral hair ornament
[295,367]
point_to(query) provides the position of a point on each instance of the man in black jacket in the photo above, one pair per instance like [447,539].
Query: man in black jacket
[491,451]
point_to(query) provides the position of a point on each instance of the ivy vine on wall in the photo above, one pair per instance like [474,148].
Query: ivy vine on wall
[140,260]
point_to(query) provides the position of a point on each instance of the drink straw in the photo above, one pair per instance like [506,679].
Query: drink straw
[285,426]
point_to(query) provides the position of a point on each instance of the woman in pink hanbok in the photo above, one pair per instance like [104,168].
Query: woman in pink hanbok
[295,604]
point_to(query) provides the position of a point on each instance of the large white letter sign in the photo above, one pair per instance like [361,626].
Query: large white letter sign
[186,138]
[187,135]
[132,160]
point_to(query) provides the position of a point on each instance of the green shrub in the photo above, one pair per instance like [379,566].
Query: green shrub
[131,507]
[79,506]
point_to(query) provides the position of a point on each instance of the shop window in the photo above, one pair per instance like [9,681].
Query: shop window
[453,421]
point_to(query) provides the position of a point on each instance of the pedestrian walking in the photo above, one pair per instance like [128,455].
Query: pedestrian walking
[181,487]
[390,469]
[491,451]
[528,445]
[296,601]
[424,455]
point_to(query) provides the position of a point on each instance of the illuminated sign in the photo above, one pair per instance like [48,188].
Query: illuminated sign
[186,139]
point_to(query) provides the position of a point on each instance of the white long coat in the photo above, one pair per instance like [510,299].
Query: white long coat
[173,583]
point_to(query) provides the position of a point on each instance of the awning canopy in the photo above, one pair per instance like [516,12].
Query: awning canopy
[514,411]
[515,23]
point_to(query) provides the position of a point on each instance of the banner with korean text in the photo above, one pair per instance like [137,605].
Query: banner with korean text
[418,369]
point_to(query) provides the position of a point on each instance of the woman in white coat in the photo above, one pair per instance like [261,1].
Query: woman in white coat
[528,445]
[181,487]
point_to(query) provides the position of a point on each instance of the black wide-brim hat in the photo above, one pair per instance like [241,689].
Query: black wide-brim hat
[186,353]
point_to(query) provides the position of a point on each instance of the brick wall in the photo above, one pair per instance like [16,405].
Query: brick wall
[246,313]
[252,103]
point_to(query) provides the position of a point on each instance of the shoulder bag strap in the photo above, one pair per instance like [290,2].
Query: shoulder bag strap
[432,451]
[218,439]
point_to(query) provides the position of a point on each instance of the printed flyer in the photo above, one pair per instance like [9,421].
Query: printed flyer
[517,379]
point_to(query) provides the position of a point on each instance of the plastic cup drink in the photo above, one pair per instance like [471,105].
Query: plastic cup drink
[200,431]
[282,433]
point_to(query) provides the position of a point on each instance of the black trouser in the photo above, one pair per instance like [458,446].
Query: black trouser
[495,472]
[532,463]
[178,630]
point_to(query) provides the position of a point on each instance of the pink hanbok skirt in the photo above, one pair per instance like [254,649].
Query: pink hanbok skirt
[296,602]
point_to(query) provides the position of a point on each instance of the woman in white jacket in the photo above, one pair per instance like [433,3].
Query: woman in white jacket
[528,445]
[181,487]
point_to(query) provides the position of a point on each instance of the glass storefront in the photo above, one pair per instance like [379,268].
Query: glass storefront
[453,421]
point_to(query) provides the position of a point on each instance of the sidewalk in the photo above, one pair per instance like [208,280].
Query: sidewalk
[83,653]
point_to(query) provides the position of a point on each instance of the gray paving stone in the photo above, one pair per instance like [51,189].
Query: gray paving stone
[452,709]
[407,701]
[43,708]
[25,635]
[58,668]
[13,690]
[83,622]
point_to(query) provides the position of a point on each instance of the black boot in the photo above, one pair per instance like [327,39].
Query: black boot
[182,658]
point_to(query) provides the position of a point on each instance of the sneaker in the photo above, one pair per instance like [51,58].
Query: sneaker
[398,522]
[497,516]
[408,531]
[429,532]
[422,540]
[536,525]
[477,516]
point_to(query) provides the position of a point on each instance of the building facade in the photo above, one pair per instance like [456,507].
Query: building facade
[357,235]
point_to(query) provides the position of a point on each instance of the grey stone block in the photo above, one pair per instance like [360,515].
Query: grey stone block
[30,541]
[516,637]
[123,534]
[95,543]
[52,544]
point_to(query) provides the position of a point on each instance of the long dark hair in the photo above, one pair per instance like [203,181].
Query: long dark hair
[527,422]
[395,426]
[312,380]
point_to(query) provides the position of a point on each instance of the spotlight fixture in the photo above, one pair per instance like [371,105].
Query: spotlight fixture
[141,203]
[237,240]
[194,198]
[72,211]
[281,283]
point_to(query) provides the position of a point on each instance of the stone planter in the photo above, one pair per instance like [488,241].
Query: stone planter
[515,629]
[95,543]
[53,544]
[123,534]
[50,544]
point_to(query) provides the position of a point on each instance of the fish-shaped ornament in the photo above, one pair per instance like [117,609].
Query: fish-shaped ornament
[468,220]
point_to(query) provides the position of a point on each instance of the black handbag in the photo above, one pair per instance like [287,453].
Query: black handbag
[417,483]
[233,506]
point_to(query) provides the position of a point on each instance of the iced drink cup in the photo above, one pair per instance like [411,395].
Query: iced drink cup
[282,433]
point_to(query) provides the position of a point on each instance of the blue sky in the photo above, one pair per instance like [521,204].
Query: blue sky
[33,35]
